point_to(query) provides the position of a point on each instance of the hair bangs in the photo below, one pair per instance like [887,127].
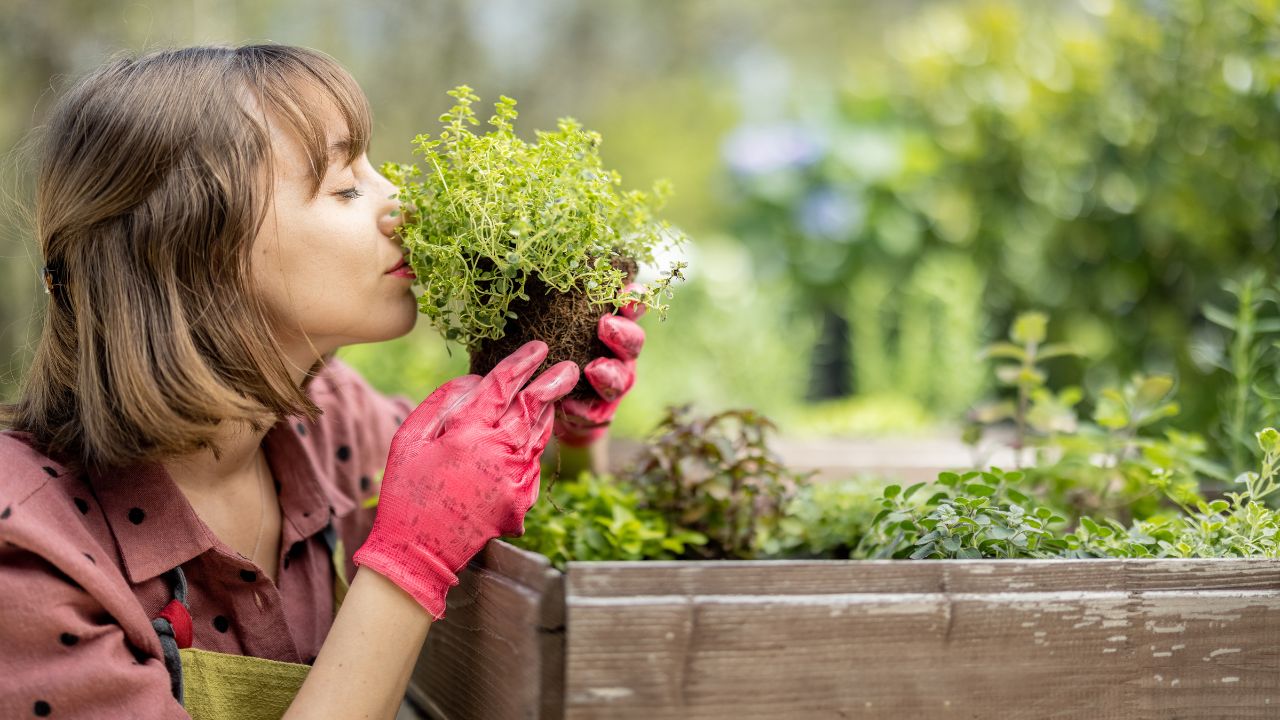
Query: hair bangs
[301,86]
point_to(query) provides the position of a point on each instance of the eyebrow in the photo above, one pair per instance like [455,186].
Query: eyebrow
[341,146]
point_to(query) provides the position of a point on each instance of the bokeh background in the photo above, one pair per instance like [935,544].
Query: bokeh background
[873,189]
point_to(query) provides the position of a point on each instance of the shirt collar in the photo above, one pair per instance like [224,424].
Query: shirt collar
[157,530]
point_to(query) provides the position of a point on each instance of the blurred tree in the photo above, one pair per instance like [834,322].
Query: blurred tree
[1111,161]
[659,80]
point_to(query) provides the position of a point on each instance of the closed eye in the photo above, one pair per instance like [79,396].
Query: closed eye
[349,193]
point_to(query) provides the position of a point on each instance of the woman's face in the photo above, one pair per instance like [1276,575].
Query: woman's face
[322,262]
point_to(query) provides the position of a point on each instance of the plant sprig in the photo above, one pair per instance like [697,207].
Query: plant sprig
[488,211]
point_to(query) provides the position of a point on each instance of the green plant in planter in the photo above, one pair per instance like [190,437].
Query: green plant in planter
[1250,364]
[1113,465]
[974,515]
[825,519]
[716,475]
[499,229]
[981,514]
[1241,525]
[600,517]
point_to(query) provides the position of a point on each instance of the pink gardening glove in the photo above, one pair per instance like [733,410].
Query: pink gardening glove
[463,469]
[582,422]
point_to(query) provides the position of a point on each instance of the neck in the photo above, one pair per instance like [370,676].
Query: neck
[240,446]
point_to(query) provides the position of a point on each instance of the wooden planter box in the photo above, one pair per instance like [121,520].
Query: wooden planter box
[1129,639]
[898,639]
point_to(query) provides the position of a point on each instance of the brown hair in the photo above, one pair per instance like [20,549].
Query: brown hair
[155,176]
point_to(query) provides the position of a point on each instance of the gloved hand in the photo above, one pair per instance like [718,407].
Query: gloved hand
[463,469]
[582,422]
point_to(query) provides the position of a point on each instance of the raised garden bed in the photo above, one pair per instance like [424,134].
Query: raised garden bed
[1126,639]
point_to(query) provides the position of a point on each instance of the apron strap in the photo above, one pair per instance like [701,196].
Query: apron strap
[173,626]
[338,555]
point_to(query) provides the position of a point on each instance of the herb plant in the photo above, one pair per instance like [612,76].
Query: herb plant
[600,517]
[717,475]
[824,519]
[490,211]
[1113,463]
[974,515]
[1251,363]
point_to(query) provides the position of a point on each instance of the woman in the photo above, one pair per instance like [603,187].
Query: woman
[186,465]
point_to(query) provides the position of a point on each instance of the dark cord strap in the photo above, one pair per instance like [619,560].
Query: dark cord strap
[168,642]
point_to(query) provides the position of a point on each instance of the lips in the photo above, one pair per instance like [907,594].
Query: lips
[400,264]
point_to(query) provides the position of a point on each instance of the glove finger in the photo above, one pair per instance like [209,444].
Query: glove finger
[633,310]
[543,392]
[498,389]
[427,420]
[581,422]
[624,337]
[585,412]
[610,377]
[540,433]
[527,494]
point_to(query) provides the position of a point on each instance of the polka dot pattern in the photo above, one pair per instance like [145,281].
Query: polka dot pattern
[142,528]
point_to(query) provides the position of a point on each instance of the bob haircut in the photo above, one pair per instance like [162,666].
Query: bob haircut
[154,179]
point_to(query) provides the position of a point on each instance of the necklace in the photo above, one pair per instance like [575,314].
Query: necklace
[262,515]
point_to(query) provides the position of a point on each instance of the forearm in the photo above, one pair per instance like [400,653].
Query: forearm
[569,461]
[365,662]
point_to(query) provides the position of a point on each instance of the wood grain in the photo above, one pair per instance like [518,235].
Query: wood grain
[498,652]
[973,639]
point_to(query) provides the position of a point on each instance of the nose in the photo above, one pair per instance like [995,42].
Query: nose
[391,216]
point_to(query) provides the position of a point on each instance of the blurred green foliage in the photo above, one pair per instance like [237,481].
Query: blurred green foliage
[661,82]
[922,171]
[1111,161]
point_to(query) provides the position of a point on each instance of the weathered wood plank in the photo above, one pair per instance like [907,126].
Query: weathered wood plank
[498,651]
[806,577]
[1017,639]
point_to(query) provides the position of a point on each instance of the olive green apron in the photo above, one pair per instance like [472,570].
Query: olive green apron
[221,686]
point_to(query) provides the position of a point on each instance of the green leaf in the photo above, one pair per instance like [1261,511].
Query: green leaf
[1030,328]
[922,552]
[1005,350]
[1269,440]
[1055,350]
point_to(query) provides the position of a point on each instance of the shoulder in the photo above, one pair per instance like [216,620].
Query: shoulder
[43,504]
[51,511]
[55,545]
[68,654]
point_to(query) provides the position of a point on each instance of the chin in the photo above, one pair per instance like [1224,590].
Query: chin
[398,322]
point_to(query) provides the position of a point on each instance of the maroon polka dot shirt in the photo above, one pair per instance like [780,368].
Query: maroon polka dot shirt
[81,559]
